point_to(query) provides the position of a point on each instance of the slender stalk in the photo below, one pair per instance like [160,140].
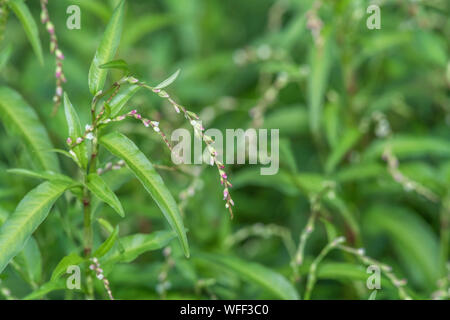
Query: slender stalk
[88,235]
[312,275]
[385,269]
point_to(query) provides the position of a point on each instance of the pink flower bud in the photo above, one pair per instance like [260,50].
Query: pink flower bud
[69,140]
[59,54]
[50,27]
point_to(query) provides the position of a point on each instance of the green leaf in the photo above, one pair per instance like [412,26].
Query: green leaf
[19,116]
[290,120]
[108,244]
[405,146]
[412,238]
[23,13]
[168,81]
[115,64]
[61,268]
[121,98]
[45,175]
[346,272]
[135,245]
[101,190]
[30,262]
[5,54]
[124,148]
[73,124]
[45,289]
[29,214]
[318,80]
[106,50]
[349,139]
[270,280]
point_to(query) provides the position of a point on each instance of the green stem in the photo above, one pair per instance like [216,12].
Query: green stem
[88,235]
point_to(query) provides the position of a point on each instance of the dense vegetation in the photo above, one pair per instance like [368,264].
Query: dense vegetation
[86,177]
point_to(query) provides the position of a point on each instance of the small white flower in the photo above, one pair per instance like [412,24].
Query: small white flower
[90,136]
[99,276]
[79,140]
[88,127]
[156,129]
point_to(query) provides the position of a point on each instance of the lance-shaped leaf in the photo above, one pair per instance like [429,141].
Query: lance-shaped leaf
[29,214]
[101,190]
[108,244]
[270,280]
[21,118]
[106,50]
[44,175]
[116,64]
[29,25]
[73,124]
[168,81]
[61,268]
[348,140]
[124,148]
[137,244]
[29,262]
[318,80]
[122,97]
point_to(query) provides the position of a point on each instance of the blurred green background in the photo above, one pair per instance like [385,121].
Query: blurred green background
[340,94]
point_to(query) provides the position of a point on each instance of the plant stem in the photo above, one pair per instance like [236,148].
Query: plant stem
[88,235]
[312,276]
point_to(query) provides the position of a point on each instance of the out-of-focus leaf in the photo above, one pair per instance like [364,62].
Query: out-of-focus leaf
[29,25]
[106,50]
[282,181]
[249,271]
[121,98]
[45,175]
[73,124]
[144,25]
[409,146]
[168,81]
[342,271]
[101,190]
[115,64]
[45,289]
[5,54]
[349,139]
[360,171]
[61,268]
[29,260]
[124,148]
[412,239]
[137,244]
[29,214]
[108,244]
[290,120]
[318,81]
[20,117]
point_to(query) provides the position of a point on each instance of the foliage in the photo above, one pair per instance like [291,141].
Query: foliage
[364,177]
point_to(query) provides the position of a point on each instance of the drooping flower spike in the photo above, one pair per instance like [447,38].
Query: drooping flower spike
[59,56]
[195,122]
